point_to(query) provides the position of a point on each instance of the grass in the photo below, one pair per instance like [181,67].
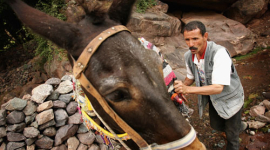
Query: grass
[250,54]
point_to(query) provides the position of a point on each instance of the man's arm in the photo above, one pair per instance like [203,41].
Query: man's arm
[181,87]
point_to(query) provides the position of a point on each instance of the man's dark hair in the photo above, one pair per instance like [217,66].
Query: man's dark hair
[194,25]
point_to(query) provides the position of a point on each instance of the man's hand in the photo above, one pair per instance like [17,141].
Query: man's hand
[179,87]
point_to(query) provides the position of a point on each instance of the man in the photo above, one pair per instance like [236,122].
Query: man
[217,82]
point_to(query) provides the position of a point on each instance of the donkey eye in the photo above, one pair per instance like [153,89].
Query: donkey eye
[119,95]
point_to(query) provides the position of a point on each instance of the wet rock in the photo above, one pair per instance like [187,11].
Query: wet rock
[30,108]
[75,119]
[257,110]
[44,142]
[255,124]
[72,108]
[15,117]
[41,92]
[59,104]
[45,106]
[61,117]
[65,87]
[86,138]
[53,81]
[16,127]
[45,116]
[15,137]
[64,133]
[16,104]
[73,143]
[31,132]
[50,132]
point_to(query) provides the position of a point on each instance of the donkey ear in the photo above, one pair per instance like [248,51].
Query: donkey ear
[59,32]
[120,10]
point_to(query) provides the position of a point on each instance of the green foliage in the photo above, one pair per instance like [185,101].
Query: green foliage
[46,48]
[250,54]
[143,5]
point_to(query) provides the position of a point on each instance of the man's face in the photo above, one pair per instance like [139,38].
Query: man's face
[195,40]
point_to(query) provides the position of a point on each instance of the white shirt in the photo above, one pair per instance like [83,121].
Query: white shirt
[221,69]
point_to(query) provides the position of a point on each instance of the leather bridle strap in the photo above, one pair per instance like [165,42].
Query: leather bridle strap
[78,69]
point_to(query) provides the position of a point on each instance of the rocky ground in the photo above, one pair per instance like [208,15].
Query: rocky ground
[18,76]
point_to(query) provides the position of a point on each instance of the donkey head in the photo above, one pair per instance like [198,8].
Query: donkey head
[124,73]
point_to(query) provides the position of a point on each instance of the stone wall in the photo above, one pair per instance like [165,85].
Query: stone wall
[47,119]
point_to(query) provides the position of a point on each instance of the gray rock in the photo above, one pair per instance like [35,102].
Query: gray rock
[30,119]
[16,127]
[266,103]
[15,117]
[34,124]
[3,115]
[61,117]
[50,132]
[94,147]
[82,147]
[30,141]
[31,147]
[59,104]
[82,129]
[45,116]
[86,138]
[15,145]
[54,95]
[31,132]
[16,104]
[73,143]
[61,147]
[75,119]
[66,77]
[257,110]
[66,97]
[255,124]
[53,81]
[64,132]
[30,108]
[46,125]
[45,106]
[15,137]
[44,142]
[41,92]
[72,107]
[103,147]
[3,132]
[65,87]
[262,118]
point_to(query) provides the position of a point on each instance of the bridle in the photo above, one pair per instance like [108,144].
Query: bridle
[78,69]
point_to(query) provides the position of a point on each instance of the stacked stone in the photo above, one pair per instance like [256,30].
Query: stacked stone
[47,119]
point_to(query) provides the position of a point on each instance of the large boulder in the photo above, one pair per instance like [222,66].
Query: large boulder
[244,10]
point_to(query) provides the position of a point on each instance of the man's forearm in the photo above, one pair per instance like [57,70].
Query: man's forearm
[205,90]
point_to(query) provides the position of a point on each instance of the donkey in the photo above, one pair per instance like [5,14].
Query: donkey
[123,72]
